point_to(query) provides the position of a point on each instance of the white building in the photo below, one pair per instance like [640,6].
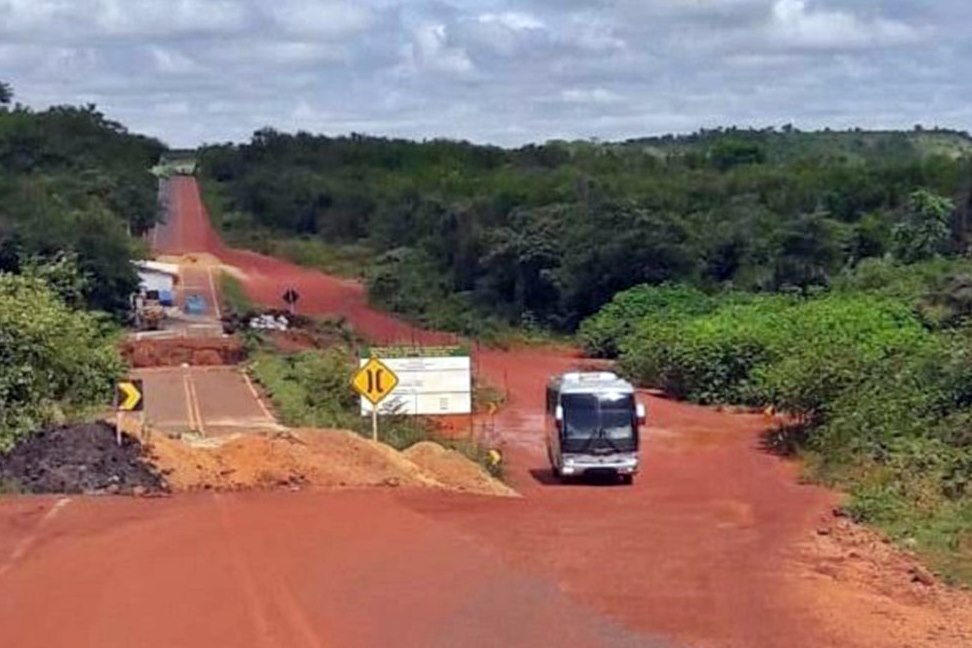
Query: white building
[163,277]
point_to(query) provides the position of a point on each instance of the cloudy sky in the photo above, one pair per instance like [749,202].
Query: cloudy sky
[500,71]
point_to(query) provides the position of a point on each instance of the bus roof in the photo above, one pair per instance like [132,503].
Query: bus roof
[586,382]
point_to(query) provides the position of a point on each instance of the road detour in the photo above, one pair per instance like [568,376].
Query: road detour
[87,459]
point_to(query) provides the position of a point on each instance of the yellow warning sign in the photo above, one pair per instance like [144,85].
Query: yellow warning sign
[128,396]
[374,381]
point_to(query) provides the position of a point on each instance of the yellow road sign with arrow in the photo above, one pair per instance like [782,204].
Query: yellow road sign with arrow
[129,396]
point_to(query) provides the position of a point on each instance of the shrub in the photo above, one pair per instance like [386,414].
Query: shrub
[56,360]
[602,333]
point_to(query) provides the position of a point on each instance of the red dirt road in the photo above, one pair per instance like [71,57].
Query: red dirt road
[706,549]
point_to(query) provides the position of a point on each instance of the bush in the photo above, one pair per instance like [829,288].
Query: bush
[310,388]
[885,401]
[601,334]
[795,354]
[56,361]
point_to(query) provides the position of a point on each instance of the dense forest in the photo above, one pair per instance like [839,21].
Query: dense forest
[75,192]
[77,186]
[823,275]
[546,234]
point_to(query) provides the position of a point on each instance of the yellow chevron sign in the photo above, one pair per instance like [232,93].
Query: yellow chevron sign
[129,396]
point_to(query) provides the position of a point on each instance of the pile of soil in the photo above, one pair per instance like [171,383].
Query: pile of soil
[79,459]
[455,470]
[322,458]
[315,458]
[176,352]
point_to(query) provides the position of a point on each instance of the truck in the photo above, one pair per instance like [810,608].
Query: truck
[149,312]
[593,425]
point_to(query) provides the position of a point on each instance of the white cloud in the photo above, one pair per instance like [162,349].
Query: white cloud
[328,18]
[796,24]
[150,17]
[430,50]
[508,71]
[513,20]
[170,61]
[590,96]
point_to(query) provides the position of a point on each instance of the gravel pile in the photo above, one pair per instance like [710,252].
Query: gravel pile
[78,459]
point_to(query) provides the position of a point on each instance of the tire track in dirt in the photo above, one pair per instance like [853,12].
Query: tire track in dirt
[298,632]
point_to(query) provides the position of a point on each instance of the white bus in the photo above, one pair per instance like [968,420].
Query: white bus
[593,422]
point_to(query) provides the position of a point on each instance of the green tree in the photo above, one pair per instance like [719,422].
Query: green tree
[6,94]
[925,228]
[56,360]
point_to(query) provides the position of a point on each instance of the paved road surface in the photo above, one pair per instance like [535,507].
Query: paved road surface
[210,400]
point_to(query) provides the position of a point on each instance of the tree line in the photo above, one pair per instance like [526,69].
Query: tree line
[75,184]
[546,234]
[75,193]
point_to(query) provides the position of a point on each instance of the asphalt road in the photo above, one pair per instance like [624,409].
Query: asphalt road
[208,400]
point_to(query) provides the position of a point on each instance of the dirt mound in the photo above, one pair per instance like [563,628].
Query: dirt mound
[173,353]
[323,458]
[844,567]
[78,459]
[455,470]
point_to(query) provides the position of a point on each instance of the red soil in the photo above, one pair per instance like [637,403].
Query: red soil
[179,351]
[709,547]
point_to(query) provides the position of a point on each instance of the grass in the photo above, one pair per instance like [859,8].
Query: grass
[233,294]
[311,389]
[909,510]
[340,260]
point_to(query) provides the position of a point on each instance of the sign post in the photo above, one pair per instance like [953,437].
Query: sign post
[291,297]
[374,381]
[129,397]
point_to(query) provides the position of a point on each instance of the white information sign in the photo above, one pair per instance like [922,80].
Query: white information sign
[427,386]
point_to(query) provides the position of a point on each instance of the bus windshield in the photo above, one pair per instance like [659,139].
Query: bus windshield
[610,419]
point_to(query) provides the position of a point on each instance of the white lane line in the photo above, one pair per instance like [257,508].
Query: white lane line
[212,288]
[256,395]
[24,545]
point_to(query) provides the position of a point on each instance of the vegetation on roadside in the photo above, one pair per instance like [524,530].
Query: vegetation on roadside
[238,230]
[875,375]
[233,295]
[312,389]
[72,181]
[474,238]
[57,361]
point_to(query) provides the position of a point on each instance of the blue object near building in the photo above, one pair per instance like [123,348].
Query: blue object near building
[195,305]
[165,298]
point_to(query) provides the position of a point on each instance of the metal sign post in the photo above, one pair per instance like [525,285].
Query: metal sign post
[291,298]
[129,397]
[374,381]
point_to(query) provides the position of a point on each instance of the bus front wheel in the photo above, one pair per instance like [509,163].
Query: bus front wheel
[627,479]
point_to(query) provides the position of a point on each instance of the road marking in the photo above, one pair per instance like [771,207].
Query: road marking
[194,402]
[212,288]
[192,412]
[256,395]
[24,545]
